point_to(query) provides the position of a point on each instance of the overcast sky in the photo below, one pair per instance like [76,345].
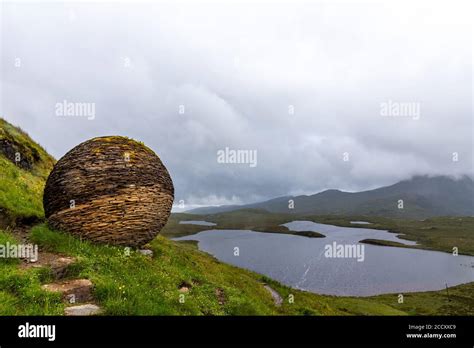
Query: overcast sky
[299,83]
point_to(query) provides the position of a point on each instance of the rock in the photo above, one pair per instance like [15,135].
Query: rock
[184,287]
[109,190]
[220,296]
[73,291]
[11,147]
[146,252]
[83,310]
[59,267]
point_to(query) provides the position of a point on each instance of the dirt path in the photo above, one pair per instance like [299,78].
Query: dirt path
[77,293]
[276,296]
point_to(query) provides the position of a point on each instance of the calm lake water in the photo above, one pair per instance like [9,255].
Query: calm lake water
[300,262]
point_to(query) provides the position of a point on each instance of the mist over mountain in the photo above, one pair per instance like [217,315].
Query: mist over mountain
[418,197]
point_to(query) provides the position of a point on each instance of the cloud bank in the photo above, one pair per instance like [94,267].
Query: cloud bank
[301,83]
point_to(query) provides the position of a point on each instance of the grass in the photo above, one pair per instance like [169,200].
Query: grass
[42,161]
[20,289]
[459,302]
[21,190]
[381,242]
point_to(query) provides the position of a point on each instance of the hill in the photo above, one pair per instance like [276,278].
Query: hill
[422,196]
[24,167]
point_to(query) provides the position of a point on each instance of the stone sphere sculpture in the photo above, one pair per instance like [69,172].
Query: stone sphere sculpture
[110,190]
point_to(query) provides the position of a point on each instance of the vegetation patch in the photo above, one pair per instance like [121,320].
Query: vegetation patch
[385,243]
[21,182]
[20,289]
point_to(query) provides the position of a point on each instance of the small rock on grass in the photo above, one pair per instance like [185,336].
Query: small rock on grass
[83,310]
[146,252]
[59,267]
[77,290]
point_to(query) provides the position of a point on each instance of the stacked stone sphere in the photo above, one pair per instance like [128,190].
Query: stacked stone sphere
[110,190]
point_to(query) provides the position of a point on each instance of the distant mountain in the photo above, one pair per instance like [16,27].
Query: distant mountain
[422,196]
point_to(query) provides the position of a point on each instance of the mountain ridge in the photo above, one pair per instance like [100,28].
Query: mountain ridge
[423,196]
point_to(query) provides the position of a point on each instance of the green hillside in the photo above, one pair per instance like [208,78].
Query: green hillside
[177,280]
[24,167]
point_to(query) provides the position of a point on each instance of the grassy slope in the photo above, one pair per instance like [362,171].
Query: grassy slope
[461,301]
[20,290]
[21,190]
[136,284]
